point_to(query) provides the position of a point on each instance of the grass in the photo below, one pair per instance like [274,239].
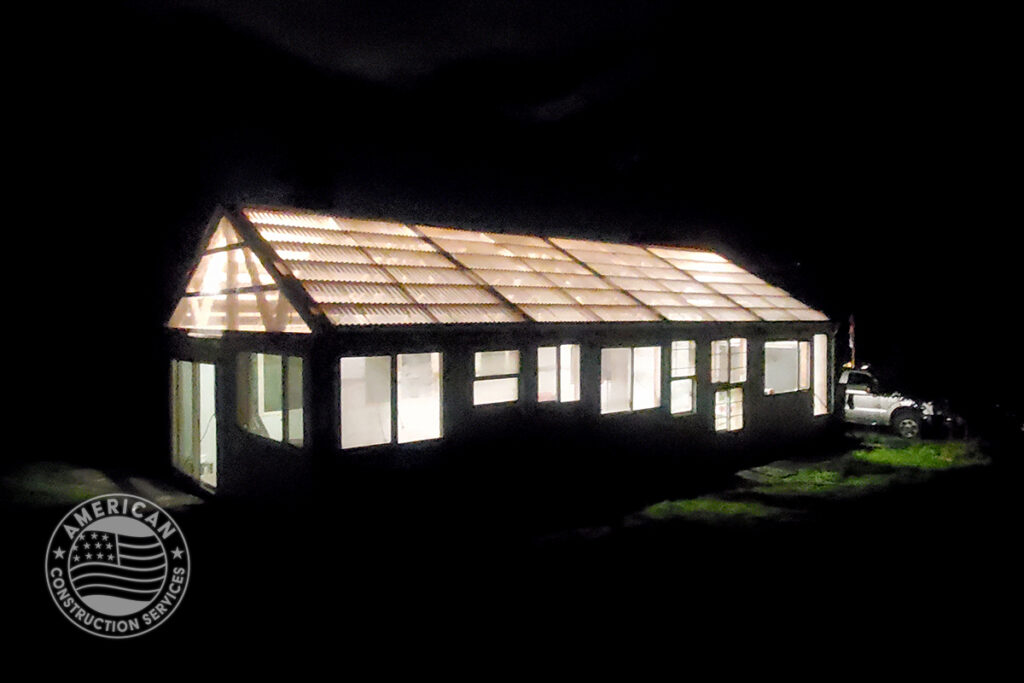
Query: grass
[785,490]
[712,509]
[925,456]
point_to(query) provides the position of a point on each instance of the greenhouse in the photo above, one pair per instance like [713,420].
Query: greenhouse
[302,340]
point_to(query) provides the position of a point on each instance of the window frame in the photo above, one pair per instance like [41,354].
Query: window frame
[517,375]
[393,401]
[559,367]
[632,379]
[730,384]
[687,373]
[242,398]
[803,366]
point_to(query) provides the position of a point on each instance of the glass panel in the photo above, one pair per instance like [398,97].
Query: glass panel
[684,358]
[224,235]
[419,397]
[269,392]
[721,410]
[569,372]
[207,410]
[231,269]
[737,360]
[682,396]
[781,367]
[646,377]
[491,363]
[495,390]
[183,459]
[720,360]
[547,374]
[616,385]
[805,365]
[735,409]
[365,401]
[820,374]
[293,395]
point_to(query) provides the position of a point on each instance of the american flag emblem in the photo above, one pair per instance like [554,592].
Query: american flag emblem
[107,567]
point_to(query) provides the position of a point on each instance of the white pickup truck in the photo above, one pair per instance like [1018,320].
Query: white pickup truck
[864,404]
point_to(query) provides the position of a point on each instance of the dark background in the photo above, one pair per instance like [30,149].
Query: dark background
[859,157]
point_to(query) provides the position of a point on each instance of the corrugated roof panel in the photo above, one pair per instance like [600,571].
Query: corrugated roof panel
[474,261]
[277,233]
[683,313]
[475,314]
[731,314]
[785,302]
[445,294]
[686,254]
[624,313]
[330,253]
[578,281]
[633,284]
[552,266]
[356,293]
[543,253]
[708,301]
[429,276]
[659,298]
[615,270]
[392,242]
[705,267]
[686,287]
[737,278]
[372,227]
[731,288]
[585,245]
[774,314]
[465,247]
[601,297]
[666,273]
[766,290]
[338,272]
[559,314]
[355,314]
[395,257]
[511,278]
[298,219]
[751,301]
[808,314]
[525,240]
[534,295]
[638,258]
[451,233]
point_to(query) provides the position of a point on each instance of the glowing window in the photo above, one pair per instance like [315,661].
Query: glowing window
[729,360]
[558,373]
[683,377]
[502,369]
[270,396]
[371,413]
[630,379]
[729,409]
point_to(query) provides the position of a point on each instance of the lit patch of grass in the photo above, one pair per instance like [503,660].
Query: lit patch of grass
[925,456]
[825,483]
[712,509]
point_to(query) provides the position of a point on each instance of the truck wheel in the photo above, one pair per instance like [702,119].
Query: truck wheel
[907,424]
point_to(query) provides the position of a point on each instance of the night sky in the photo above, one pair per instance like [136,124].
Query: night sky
[859,158]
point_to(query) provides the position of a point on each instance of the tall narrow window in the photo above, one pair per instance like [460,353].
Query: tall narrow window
[502,369]
[805,366]
[729,367]
[558,373]
[270,396]
[365,401]
[419,396]
[630,379]
[683,377]
[194,418]
[820,374]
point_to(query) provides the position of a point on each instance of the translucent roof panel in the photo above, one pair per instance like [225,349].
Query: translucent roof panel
[369,272]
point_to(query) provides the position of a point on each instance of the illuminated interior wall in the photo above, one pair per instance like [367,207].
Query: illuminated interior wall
[502,370]
[269,397]
[630,379]
[821,369]
[781,367]
[558,373]
[194,420]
